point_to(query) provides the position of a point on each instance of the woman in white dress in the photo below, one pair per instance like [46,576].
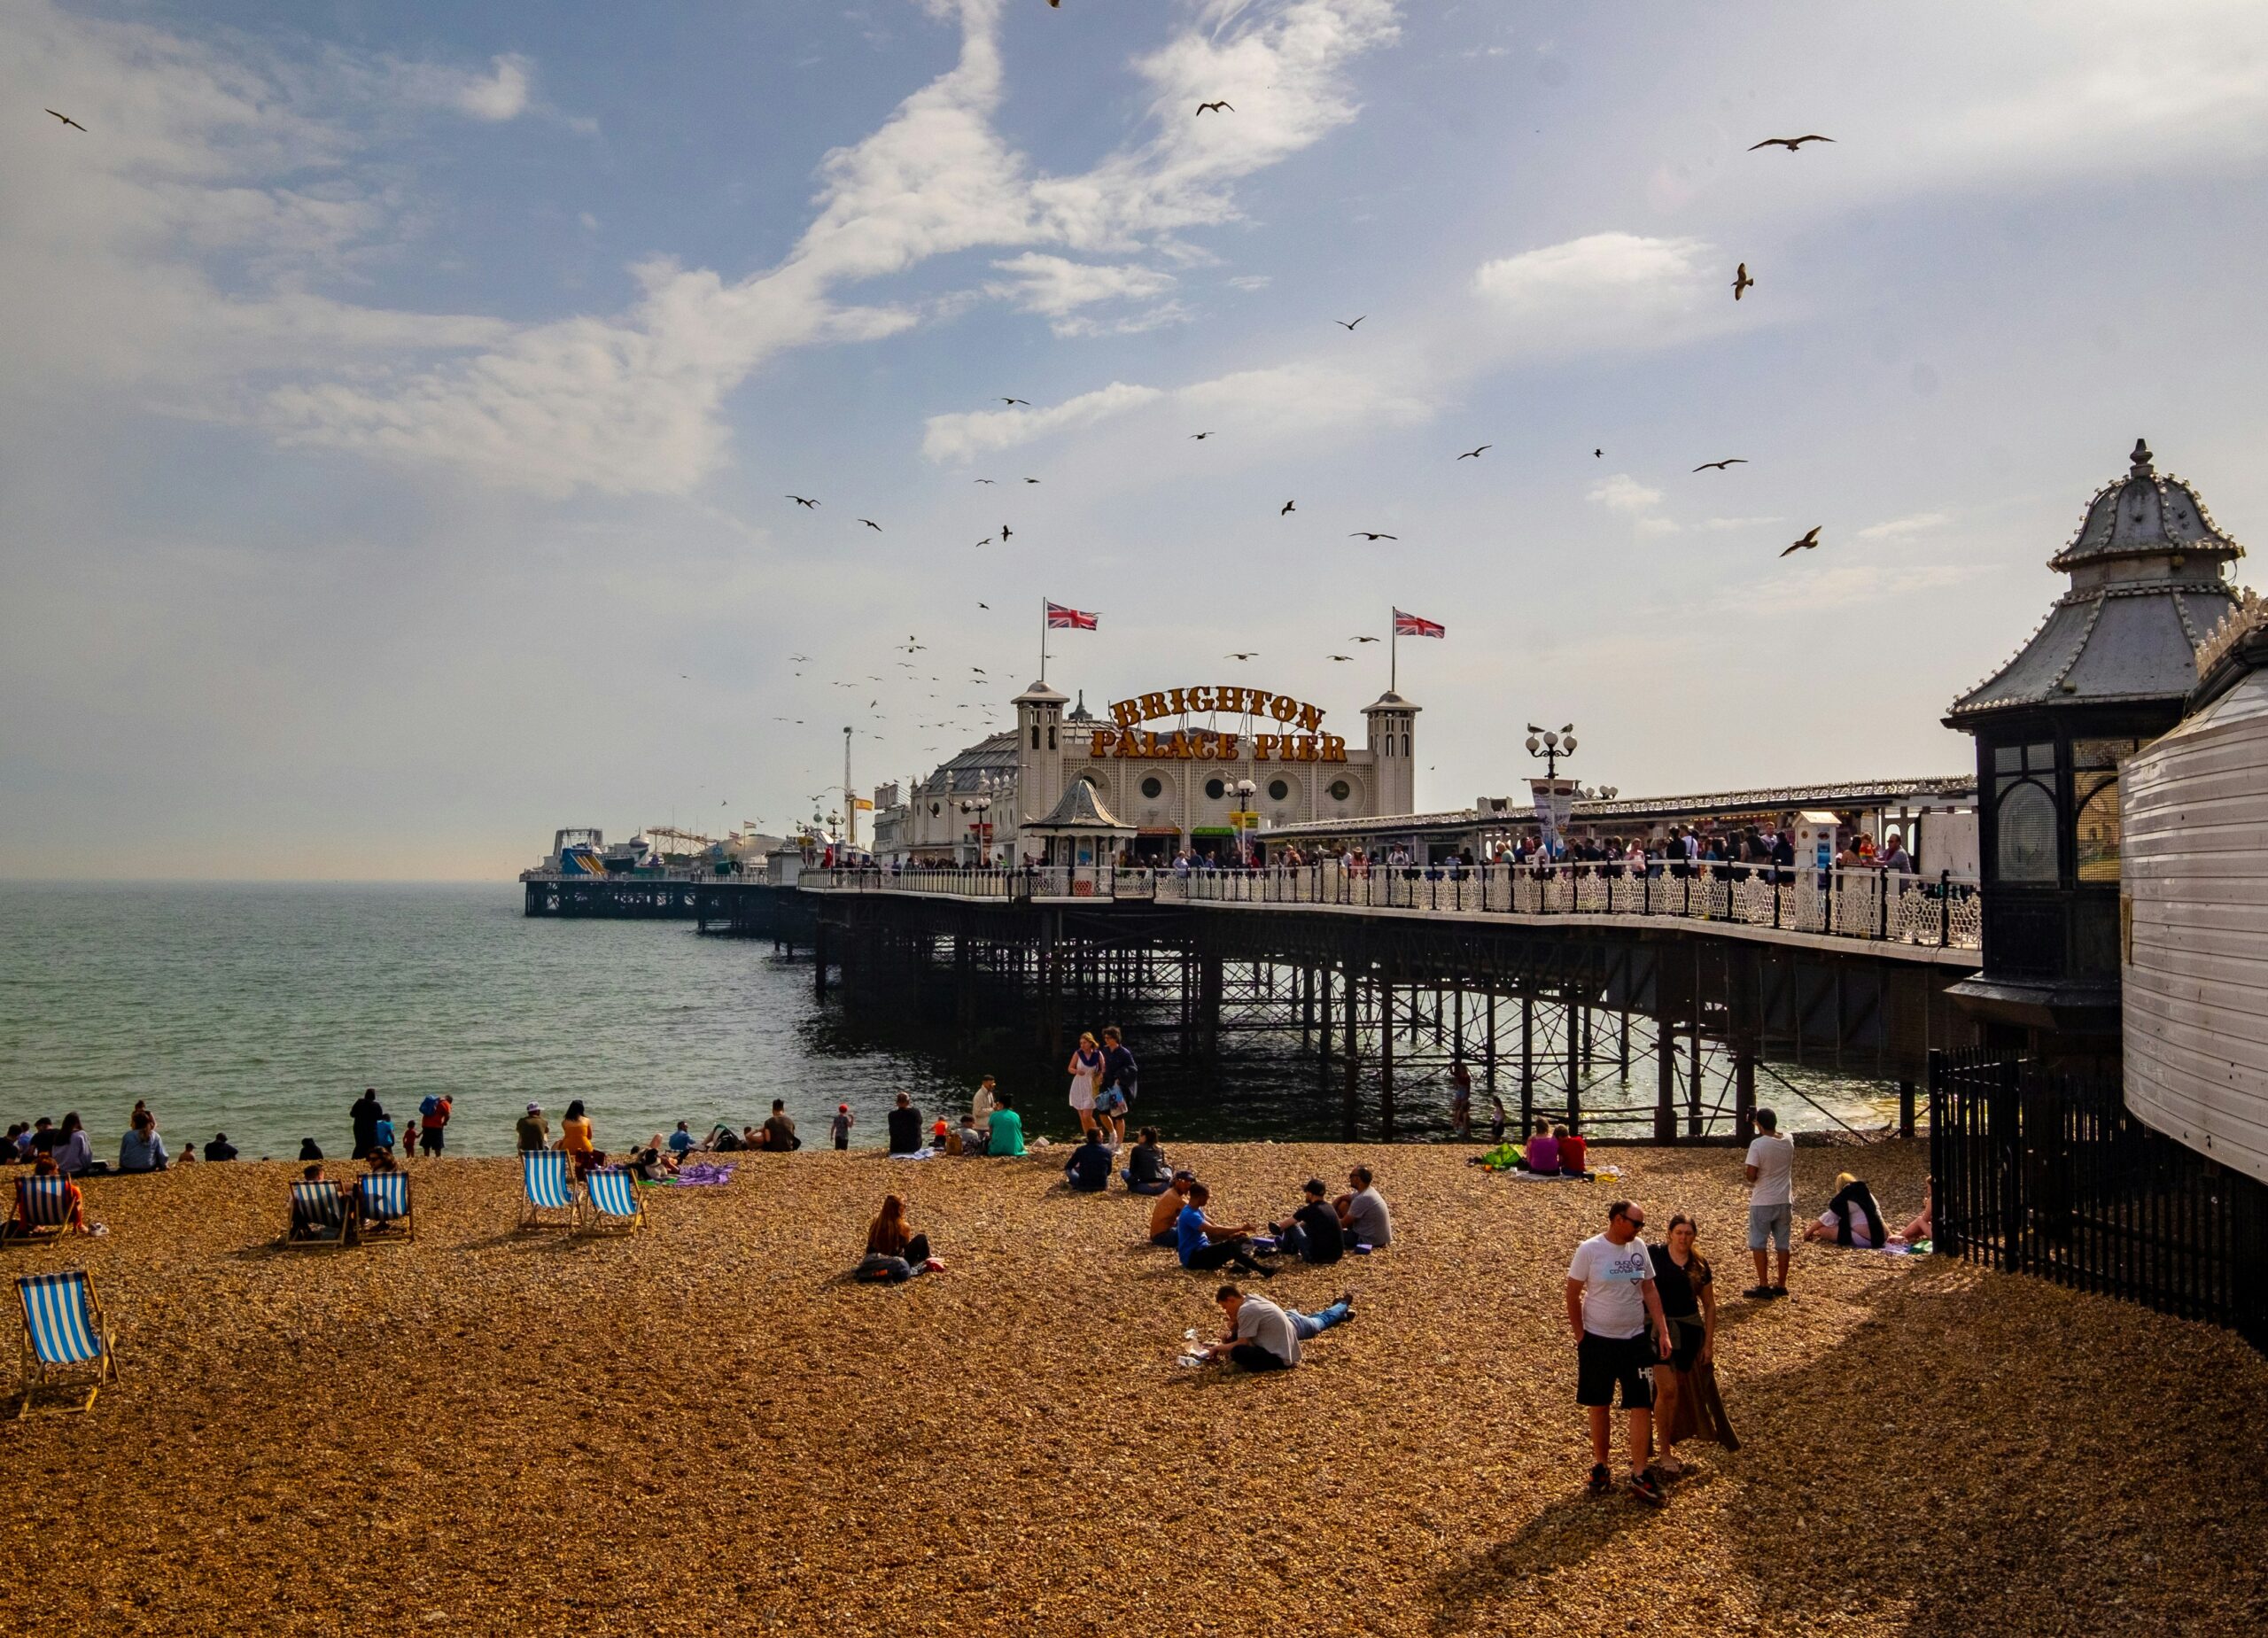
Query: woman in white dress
[1086,1069]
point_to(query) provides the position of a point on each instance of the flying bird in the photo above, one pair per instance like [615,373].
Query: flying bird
[1007,533]
[1209,107]
[1031,480]
[1252,654]
[987,540]
[1339,656]
[801,658]
[1599,454]
[800,501]
[983,480]
[1809,543]
[1475,454]
[1718,466]
[1350,323]
[1200,435]
[1024,402]
[1286,512]
[1741,281]
[985,605]
[1370,535]
[68,120]
[1789,143]
[1366,639]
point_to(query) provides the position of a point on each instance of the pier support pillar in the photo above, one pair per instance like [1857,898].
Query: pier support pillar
[1693,1073]
[1488,1065]
[1573,1014]
[1351,1042]
[1386,1053]
[1906,1108]
[1745,1091]
[1527,1066]
[1664,1081]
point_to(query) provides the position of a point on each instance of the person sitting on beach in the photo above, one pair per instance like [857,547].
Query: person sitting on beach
[12,1147]
[306,1227]
[74,1219]
[1852,1218]
[971,1140]
[1363,1213]
[651,1163]
[74,1156]
[310,1150]
[722,1141]
[1314,1234]
[681,1141]
[894,1252]
[575,1139]
[780,1131]
[1007,1128]
[1542,1156]
[1920,1228]
[1166,1212]
[1204,1244]
[752,1138]
[141,1149]
[1088,1170]
[1146,1171]
[1573,1160]
[534,1131]
[1263,1337]
[188,1155]
[220,1148]
[905,1127]
[381,1135]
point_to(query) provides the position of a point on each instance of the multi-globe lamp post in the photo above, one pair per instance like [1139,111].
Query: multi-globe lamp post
[974,810]
[1244,790]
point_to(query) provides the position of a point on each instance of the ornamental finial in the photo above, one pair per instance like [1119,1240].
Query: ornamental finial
[2141,458]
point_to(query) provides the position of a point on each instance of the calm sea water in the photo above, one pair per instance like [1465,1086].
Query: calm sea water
[263,1011]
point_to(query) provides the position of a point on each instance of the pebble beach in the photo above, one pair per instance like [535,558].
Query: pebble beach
[708,1427]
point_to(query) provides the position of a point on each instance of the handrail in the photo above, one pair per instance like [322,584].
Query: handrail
[1860,903]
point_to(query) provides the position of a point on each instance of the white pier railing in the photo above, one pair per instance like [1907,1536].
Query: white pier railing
[1883,905]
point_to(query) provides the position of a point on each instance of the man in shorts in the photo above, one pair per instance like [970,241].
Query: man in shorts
[1771,1201]
[1620,1332]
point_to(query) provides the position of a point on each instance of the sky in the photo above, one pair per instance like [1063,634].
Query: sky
[399,404]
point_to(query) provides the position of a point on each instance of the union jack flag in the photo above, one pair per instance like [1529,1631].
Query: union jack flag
[1062,620]
[1417,625]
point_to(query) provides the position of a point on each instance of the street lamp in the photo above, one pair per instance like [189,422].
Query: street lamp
[976,808]
[1243,789]
[1549,746]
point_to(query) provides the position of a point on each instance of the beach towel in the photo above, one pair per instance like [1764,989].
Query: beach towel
[701,1175]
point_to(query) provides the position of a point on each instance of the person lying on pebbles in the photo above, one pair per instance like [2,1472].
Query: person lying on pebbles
[1166,1212]
[1205,1245]
[1263,1337]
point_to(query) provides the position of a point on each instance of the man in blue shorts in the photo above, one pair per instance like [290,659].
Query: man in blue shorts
[1771,1201]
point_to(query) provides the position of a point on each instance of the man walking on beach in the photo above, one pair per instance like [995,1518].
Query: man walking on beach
[1616,1317]
[1114,1088]
[433,1118]
[1771,1201]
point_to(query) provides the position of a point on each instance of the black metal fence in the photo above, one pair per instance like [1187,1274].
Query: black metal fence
[2049,1173]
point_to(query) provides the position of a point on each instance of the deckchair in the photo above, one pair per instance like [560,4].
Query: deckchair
[384,1197]
[547,1184]
[46,1203]
[323,1216]
[63,1329]
[610,1202]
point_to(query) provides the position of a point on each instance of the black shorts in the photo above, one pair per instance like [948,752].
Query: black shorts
[1603,1361]
[430,1139]
[1685,1336]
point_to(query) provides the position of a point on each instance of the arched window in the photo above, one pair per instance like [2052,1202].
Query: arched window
[1215,789]
[2025,822]
[1278,789]
[2098,829]
[1341,791]
[1035,736]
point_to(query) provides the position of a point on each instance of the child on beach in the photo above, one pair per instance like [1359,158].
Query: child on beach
[843,1123]
[410,1139]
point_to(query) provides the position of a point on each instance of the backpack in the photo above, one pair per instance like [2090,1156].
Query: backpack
[428,1105]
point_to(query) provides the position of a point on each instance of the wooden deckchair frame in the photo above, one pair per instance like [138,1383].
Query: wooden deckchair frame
[40,1233]
[37,1373]
[532,1215]
[407,1224]
[350,1201]
[592,1222]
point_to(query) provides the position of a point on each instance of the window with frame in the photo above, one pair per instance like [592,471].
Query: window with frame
[2023,779]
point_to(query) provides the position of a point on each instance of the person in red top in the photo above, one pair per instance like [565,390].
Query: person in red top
[435,1113]
[75,1221]
[1572,1160]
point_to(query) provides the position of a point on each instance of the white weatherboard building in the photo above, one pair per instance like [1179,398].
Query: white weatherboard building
[1163,773]
[2195,923]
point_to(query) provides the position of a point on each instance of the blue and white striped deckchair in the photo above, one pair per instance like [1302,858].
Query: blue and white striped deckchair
[64,1330]
[384,1197]
[547,1184]
[612,1205]
[321,1216]
[46,1203]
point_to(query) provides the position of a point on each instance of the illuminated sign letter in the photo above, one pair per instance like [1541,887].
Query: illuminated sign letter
[1262,744]
[1310,718]
[1128,712]
[1154,705]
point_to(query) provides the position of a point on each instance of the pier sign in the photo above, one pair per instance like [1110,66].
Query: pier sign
[1129,739]
[1221,697]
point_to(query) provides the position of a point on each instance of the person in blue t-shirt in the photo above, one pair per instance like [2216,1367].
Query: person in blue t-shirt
[681,1141]
[1203,1243]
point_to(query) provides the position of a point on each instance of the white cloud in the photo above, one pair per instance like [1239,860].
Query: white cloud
[1625,493]
[1127,324]
[1897,528]
[1718,526]
[1844,586]
[1609,290]
[1251,282]
[501,95]
[959,437]
[1055,286]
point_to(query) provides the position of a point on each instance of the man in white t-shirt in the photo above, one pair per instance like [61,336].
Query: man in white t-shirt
[1771,1201]
[1620,1332]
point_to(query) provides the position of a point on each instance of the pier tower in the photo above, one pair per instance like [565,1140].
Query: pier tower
[1039,752]
[1393,742]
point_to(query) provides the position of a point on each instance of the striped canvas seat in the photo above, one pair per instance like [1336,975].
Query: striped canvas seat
[615,1207]
[318,1215]
[384,1197]
[547,1184]
[46,1201]
[63,1330]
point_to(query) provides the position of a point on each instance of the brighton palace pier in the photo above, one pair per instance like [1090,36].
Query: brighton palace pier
[1168,766]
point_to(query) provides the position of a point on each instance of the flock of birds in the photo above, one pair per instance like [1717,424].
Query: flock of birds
[1741,284]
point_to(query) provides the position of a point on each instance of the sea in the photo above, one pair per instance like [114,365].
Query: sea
[264,1010]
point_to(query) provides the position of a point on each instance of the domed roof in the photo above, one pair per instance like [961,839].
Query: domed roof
[2146,515]
[2147,572]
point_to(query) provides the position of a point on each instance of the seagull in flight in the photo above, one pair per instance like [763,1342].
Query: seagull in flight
[983,480]
[801,659]
[1741,281]
[1031,480]
[1718,466]
[1809,543]
[1350,324]
[1339,656]
[1007,533]
[1789,143]
[802,502]
[872,525]
[1370,534]
[1024,402]
[1286,512]
[987,540]
[1475,454]
[1366,639]
[1250,654]
[985,605]
[1200,435]
[1203,108]
[68,120]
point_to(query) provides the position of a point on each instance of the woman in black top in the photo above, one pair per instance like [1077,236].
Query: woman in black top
[1688,1292]
[1146,1171]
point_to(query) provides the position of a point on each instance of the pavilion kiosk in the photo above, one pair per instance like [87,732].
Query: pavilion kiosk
[2107,671]
[1080,833]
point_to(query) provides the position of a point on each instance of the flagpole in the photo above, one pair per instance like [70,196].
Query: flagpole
[1393,651]
[1042,641]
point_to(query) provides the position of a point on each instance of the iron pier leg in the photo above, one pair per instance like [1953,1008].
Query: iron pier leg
[1665,1080]
[1353,1054]
[1574,1066]
[1906,1108]
[1385,1053]
[1527,1066]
